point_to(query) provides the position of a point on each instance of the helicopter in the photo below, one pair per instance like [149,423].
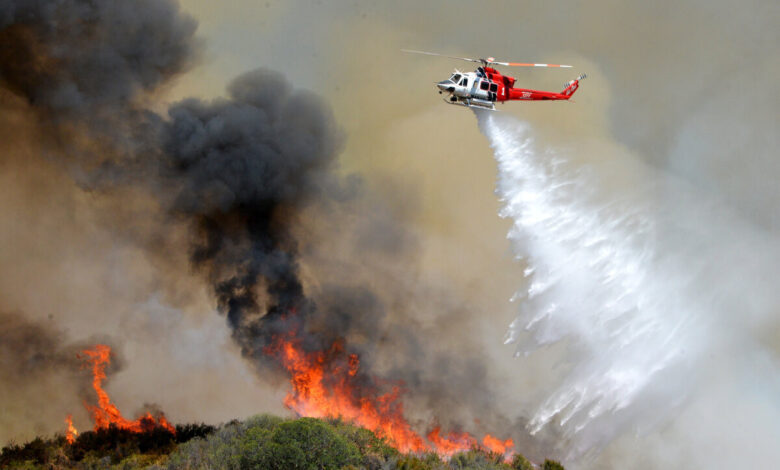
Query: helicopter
[486,86]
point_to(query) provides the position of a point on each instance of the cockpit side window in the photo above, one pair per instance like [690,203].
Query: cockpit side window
[464,82]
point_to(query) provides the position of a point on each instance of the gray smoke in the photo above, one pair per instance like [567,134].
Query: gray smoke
[41,375]
[237,172]
[30,349]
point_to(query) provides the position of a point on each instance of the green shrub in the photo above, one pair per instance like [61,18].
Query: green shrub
[552,465]
[375,451]
[260,442]
[264,421]
[217,451]
[414,462]
[303,444]
[139,461]
[33,452]
[478,459]
[185,432]
[519,462]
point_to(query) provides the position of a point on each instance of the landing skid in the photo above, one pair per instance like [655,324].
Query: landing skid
[466,104]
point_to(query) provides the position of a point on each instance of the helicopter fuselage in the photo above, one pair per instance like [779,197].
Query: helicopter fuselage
[486,86]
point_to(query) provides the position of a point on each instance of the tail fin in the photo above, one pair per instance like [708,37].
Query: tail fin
[571,87]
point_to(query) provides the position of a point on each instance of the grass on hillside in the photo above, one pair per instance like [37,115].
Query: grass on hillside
[261,442]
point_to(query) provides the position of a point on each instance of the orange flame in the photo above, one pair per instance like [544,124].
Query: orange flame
[312,397]
[497,445]
[324,385]
[454,442]
[71,434]
[106,413]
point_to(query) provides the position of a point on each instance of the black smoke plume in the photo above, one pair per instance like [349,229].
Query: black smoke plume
[240,169]
[237,171]
[234,169]
[76,58]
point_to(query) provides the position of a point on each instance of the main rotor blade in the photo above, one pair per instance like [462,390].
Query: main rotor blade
[489,60]
[520,64]
[441,55]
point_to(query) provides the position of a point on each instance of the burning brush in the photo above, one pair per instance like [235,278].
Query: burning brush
[106,414]
[326,384]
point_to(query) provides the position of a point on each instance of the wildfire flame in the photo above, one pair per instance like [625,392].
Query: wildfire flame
[454,442]
[325,384]
[72,433]
[497,445]
[106,413]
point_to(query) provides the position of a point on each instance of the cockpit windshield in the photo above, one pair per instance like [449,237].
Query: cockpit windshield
[455,78]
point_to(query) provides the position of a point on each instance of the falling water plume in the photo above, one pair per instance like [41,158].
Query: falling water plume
[595,281]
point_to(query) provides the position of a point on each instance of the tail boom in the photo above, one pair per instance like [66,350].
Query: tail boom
[536,95]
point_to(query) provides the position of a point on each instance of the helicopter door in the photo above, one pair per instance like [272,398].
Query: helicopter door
[489,88]
[484,85]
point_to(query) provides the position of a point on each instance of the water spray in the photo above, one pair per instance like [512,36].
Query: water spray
[597,282]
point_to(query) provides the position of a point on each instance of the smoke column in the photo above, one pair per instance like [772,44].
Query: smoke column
[622,275]
[233,176]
